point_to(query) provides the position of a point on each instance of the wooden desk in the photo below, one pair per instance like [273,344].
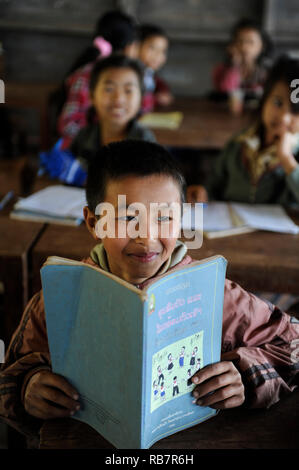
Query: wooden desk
[32,96]
[68,242]
[205,125]
[237,428]
[16,241]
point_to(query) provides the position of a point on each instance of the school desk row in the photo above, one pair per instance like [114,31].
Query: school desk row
[205,124]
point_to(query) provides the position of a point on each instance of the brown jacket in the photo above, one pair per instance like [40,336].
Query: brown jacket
[260,339]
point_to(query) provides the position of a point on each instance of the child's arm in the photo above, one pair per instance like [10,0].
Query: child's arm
[162,96]
[73,116]
[288,161]
[27,358]
[263,345]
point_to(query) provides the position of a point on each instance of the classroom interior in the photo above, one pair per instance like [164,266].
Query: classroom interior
[39,42]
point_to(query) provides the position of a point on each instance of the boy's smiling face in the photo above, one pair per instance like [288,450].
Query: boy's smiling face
[138,259]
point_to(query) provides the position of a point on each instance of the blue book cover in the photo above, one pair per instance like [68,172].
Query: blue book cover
[130,353]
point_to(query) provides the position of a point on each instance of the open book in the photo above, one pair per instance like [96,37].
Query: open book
[221,219]
[130,353]
[57,204]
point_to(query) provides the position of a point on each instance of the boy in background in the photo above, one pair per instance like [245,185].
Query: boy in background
[153,52]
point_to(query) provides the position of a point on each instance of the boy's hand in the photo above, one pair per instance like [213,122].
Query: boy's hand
[219,386]
[49,395]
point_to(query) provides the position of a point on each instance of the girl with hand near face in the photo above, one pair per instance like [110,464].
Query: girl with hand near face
[260,165]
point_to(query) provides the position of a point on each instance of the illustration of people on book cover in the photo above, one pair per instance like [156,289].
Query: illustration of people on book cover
[176,363]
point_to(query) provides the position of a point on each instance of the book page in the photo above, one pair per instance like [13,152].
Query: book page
[266,217]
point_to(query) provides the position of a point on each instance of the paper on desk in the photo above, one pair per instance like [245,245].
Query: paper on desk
[265,217]
[222,218]
[58,200]
[217,216]
[170,120]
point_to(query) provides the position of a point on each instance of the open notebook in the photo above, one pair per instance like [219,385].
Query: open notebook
[222,219]
[56,204]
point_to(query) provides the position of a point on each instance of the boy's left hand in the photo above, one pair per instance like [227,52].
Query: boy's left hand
[219,386]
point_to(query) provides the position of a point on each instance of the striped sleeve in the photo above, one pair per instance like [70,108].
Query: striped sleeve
[263,342]
[27,353]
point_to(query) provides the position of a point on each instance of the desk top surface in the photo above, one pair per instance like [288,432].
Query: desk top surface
[205,124]
[237,428]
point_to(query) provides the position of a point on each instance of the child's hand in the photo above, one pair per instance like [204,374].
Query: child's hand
[164,98]
[49,395]
[219,386]
[284,151]
[196,193]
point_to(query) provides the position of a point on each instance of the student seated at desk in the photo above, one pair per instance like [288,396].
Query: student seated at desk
[246,65]
[260,165]
[153,54]
[115,32]
[116,86]
[257,365]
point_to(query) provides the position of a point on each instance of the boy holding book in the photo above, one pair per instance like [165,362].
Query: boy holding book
[259,361]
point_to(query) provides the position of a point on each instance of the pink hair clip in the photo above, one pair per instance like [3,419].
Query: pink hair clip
[104,46]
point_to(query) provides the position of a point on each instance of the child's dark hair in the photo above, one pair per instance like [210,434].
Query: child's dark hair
[149,30]
[115,27]
[247,23]
[115,61]
[129,157]
[285,69]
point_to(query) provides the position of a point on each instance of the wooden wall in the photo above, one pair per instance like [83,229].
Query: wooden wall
[41,38]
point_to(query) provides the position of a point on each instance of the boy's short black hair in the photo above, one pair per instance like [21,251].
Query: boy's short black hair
[129,157]
[115,61]
[149,30]
[285,69]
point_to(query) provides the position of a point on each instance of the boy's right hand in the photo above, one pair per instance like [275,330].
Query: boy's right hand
[50,395]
